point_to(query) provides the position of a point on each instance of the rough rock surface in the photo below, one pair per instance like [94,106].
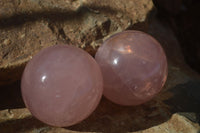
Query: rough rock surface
[180,94]
[176,124]
[19,44]
[47,23]
[26,26]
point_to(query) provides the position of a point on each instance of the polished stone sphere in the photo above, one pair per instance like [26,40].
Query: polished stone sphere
[62,85]
[134,67]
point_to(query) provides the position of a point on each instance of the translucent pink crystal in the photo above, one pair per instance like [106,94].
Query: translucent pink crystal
[134,67]
[62,85]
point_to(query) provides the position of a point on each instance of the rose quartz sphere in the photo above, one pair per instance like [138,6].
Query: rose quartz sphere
[62,85]
[134,67]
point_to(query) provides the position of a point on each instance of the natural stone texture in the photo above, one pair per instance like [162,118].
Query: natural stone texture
[18,45]
[135,8]
[92,27]
[7,8]
[134,67]
[180,94]
[177,124]
[62,85]
[81,23]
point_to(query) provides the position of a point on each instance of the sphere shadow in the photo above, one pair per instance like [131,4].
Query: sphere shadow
[10,96]
[186,100]
[110,117]
[22,125]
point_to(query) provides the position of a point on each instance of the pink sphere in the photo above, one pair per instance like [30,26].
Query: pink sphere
[62,85]
[134,67]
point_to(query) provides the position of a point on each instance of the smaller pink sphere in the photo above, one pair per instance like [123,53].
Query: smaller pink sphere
[62,85]
[134,67]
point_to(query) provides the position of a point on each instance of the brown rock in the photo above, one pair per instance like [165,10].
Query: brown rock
[19,44]
[180,94]
[7,8]
[92,27]
[177,124]
[20,120]
[30,25]
[26,26]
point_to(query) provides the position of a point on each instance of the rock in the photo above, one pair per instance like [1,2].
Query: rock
[26,26]
[180,94]
[70,89]
[7,8]
[19,44]
[23,120]
[82,34]
[177,124]
[130,77]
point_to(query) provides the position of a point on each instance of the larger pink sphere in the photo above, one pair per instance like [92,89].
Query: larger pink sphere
[62,85]
[134,67]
